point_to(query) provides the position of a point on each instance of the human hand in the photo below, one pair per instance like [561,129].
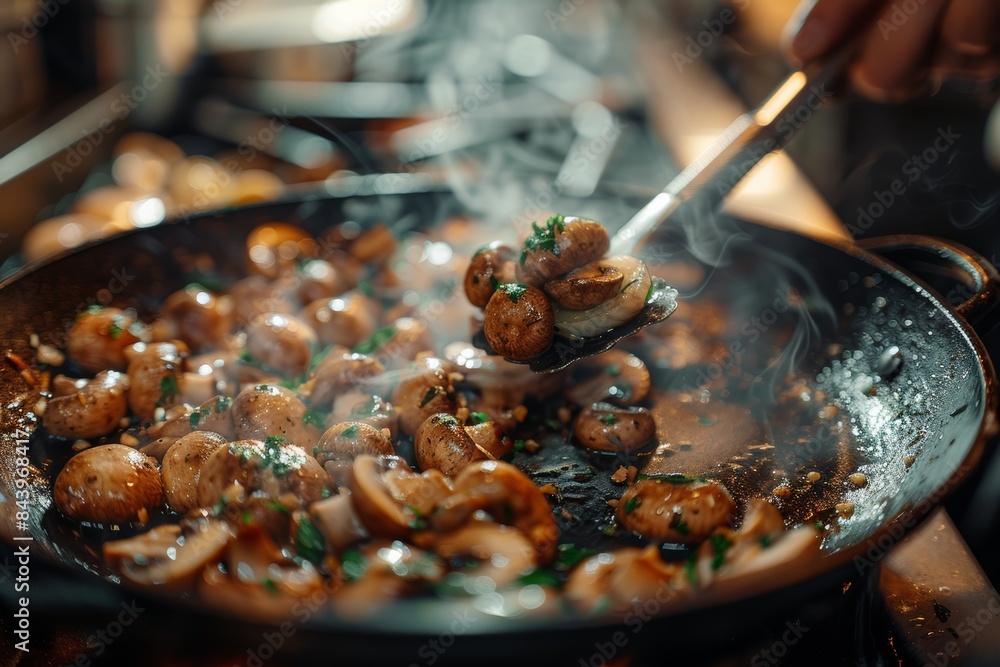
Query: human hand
[908,47]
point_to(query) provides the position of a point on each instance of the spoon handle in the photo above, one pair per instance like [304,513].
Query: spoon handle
[706,182]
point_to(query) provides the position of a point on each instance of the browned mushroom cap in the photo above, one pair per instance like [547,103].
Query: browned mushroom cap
[181,468]
[155,374]
[373,246]
[166,556]
[373,501]
[92,411]
[197,316]
[281,342]
[256,295]
[344,320]
[319,279]
[564,243]
[586,287]
[519,321]
[338,372]
[442,443]
[428,391]
[492,265]
[616,376]
[269,410]
[613,429]
[342,443]
[109,484]
[686,513]
[273,467]
[366,408]
[99,337]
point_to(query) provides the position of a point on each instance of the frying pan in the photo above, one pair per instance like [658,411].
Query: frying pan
[913,388]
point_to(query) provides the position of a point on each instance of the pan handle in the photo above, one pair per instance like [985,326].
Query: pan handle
[982,278]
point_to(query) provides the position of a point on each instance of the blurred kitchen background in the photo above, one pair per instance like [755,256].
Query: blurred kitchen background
[120,113]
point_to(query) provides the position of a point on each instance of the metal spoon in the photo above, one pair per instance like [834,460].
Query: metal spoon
[701,188]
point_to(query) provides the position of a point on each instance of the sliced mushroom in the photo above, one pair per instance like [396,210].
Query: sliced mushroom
[616,311]
[181,468]
[509,496]
[564,243]
[620,580]
[491,265]
[586,287]
[616,376]
[609,428]
[336,519]
[282,343]
[684,513]
[99,337]
[504,553]
[519,321]
[169,555]
[93,411]
[372,499]
[109,484]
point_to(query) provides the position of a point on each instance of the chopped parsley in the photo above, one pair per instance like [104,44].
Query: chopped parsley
[690,569]
[223,404]
[350,432]
[280,459]
[378,338]
[354,564]
[514,291]
[195,418]
[670,478]
[519,445]
[680,526]
[476,418]
[419,521]
[269,584]
[494,283]
[246,517]
[309,541]
[543,238]
[275,505]
[608,418]
[570,555]
[115,331]
[705,421]
[540,577]
[764,541]
[263,387]
[650,291]
[313,418]
[168,389]
[632,503]
[720,544]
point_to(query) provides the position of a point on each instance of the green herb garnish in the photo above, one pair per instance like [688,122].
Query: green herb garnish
[350,432]
[720,544]
[378,338]
[705,421]
[263,387]
[223,404]
[419,521]
[764,541]
[608,418]
[476,418]
[195,418]
[246,517]
[269,584]
[614,370]
[519,445]
[540,577]
[680,526]
[570,555]
[275,505]
[115,331]
[690,569]
[543,238]
[314,418]
[354,564]
[632,503]
[168,389]
[514,291]
[309,541]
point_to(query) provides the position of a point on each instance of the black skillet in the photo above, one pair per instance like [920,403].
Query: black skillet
[914,389]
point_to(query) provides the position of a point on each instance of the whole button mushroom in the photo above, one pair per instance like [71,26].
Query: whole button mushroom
[685,511]
[197,316]
[282,343]
[181,467]
[342,443]
[99,337]
[610,428]
[444,444]
[519,321]
[155,374]
[491,265]
[92,411]
[109,484]
[564,243]
[428,391]
[269,410]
